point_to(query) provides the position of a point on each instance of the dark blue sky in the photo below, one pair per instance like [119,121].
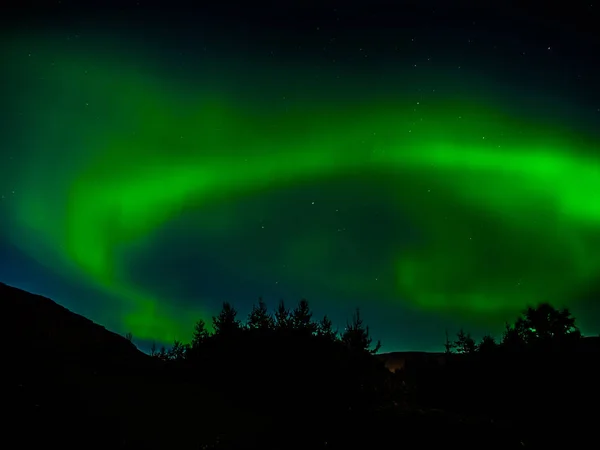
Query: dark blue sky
[536,61]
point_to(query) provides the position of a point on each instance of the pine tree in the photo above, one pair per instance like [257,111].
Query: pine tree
[325,329]
[464,343]
[226,323]
[487,344]
[259,318]
[356,336]
[177,352]
[200,335]
[283,320]
[302,318]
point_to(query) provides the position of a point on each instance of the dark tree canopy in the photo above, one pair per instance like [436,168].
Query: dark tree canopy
[226,323]
[325,329]
[260,318]
[301,318]
[260,358]
[283,319]
[356,335]
[546,324]
[464,343]
[543,327]
[487,344]
[201,334]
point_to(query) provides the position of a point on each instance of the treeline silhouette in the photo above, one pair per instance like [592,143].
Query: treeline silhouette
[321,386]
[298,371]
[540,378]
[285,379]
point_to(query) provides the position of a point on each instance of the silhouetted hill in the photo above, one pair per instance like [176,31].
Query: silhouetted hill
[71,383]
[66,380]
[42,328]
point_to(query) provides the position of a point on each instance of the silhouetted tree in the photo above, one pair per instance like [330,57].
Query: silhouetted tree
[356,335]
[325,329]
[449,345]
[545,325]
[200,335]
[177,351]
[129,336]
[464,343]
[162,353]
[153,349]
[487,344]
[259,318]
[226,323]
[513,338]
[283,320]
[302,318]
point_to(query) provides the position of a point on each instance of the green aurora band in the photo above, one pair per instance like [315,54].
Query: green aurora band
[119,150]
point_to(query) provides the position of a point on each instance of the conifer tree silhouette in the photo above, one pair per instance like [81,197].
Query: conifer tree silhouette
[301,318]
[357,337]
[325,329]
[487,345]
[260,318]
[283,320]
[226,323]
[201,334]
[464,343]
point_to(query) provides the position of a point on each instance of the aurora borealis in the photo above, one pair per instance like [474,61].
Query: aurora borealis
[149,180]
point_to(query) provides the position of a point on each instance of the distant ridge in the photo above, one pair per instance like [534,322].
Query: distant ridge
[400,360]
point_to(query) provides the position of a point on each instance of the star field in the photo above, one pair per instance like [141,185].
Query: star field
[437,176]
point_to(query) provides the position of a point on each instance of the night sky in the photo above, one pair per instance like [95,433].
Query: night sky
[435,164]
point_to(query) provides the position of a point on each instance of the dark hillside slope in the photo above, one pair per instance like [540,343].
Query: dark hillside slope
[69,382]
[57,364]
[35,326]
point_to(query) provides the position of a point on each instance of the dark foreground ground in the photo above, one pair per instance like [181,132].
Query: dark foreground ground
[70,383]
[128,412]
